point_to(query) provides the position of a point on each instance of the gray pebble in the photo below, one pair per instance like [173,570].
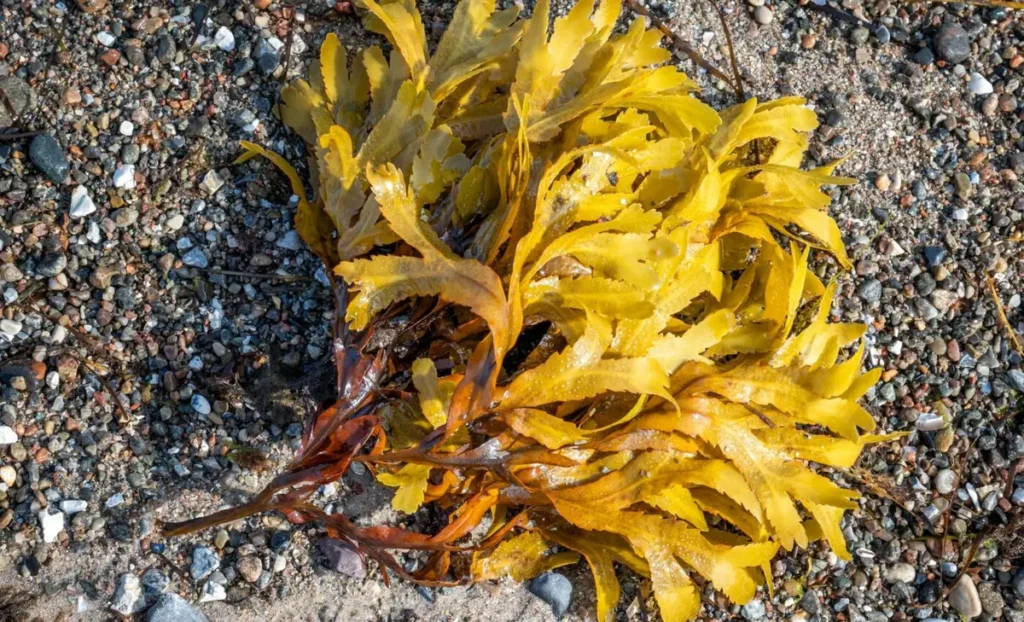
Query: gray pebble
[48,155]
[555,590]
[174,608]
[952,43]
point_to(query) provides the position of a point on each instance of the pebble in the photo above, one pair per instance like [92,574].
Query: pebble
[763,15]
[268,63]
[11,328]
[73,506]
[200,404]
[224,39]
[554,589]
[81,203]
[196,258]
[1018,583]
[924,56]
[47,154]
[754,610]
[7,435]
[341,558]
[106,39]
[250,568]
[870,290]
[211,182]
[900,573]
[212,592]
[944,481]
[124,176]
[52,524]
[934,255]
[174,608]
[128,598]
[204,561]
[20,95]
[291,240]
[952,43]
[154,583]
[964,598]
[8,475]
[979,85]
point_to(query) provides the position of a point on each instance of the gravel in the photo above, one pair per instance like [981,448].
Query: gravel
[143,281]
[173,608]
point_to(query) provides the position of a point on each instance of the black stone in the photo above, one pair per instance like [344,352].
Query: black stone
[555,590]
[48,155]
[924,56]
[952,43]
[268,63]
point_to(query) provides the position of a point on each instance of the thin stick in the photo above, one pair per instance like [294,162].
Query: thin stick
[732,52]
[681,44]
[254,275]
[288,46]
[1002,316]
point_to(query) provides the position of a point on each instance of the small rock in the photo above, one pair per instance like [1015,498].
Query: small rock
[871,290]
[555,590]
[8,475]
[952,43]
[154,583]
[964,597]
[900,573]
[342,558]
[106,38]
[204,562]
[268,63]
[754,610]
[47,154]
[165,48]
[763,15]
[212,592]
[110,57]
[211,182]
[924,56]
[945,481]
[224,39]
[200,404]
[52,264]
[124,176]
[52,524]
[20,96]
[174,608]
[195,258]
[290,241]
[250,568]
[11,328]
[81,203]
[979,85]
[73,506]
[127,128]
[128,598]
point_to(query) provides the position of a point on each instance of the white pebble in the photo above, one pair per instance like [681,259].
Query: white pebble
[73,506]
[126,128]
[200,404]
[124,176]
[52,525]
[106,38]
[7,435]
[224,39]
[979,85]
[81,203]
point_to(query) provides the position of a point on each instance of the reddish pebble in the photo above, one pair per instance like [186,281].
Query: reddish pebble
[3,51]
[261,4]
[110,57]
